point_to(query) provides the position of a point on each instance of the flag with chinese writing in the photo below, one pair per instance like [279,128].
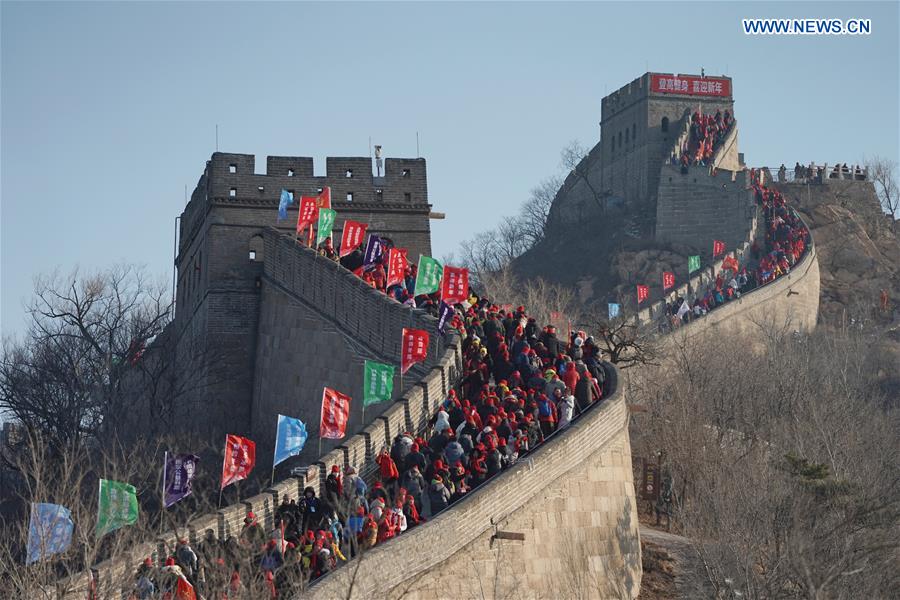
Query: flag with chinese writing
[396,266]
[642,293]
[307,212]
[178,473]
[445,314]
[240,457]
[413,348]
[335,414]
[668,280]
[693,263]
[455,285]
[613,310]
[325,224]
[117,506]
[184,590]
[428,276]
[374,250]
[50,531]
[378,382]
[286,200]
[730,262]
[718,247]
[289,439]
[352,236]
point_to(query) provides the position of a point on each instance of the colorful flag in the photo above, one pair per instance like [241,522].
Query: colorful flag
[374,250]
[326,223]
[178,472]
[718,247]
[613,310]
[50,531]
[730,262]
[693,263]
[428,276]
[445,313]
[290,438]
[642,293]
[335,414]
[240,457]
[352,236]
[118,506]
[668,280]
[307,212]
[685,308]
[184,590]
[413,348]
[378,382]
[323,200]
[455,285]
[287,199]
[396,266]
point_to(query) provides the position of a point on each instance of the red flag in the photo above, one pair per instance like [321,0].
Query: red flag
[323,200]
[184,591]
[454,285]
[729,262]
[307,213]
[413,349]
[396,266]
[668,280]
[352,236]
[240,456]
[335,414]
[718,247]
[643,291]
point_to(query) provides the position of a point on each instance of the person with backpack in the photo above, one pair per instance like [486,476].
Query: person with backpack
[547,415]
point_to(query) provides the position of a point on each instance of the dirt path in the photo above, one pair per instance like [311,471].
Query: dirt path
[690,584]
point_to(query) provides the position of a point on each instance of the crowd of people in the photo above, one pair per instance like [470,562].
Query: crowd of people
[816,173]
[521,383]
[785,242]
[707,132]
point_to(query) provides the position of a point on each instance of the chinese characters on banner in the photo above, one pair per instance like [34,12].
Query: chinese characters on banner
[396,266]
[50,531]
[428,276]
[642,292]
[306,214]
[718,247]
[378,382]
[335,414]
[290,437]
[668,280]
[693,263]
[413,349]
[240,456]
[445,313]
[374,250]
[326,222]
[118,506]
[352,236]
[690,85]
[455,285]
[178,472]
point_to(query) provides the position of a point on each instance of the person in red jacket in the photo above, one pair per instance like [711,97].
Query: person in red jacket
[571,376]
[547,415]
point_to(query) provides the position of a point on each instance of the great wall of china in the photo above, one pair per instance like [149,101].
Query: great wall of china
[572,500]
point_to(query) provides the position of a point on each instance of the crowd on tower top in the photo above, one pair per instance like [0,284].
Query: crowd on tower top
[706,134]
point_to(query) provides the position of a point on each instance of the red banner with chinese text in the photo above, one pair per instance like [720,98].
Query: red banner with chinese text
[718,247]
[454,285]
[396,266]
[352,236]
[668,280]
[413,348]
[335,414]
[240,456]
[642,293]
[690,85]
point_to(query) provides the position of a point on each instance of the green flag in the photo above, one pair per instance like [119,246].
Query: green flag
[428,277]
[693,263]
[326,222]
[378,382]
[118,506]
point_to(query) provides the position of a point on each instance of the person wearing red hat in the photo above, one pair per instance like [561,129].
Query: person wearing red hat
[252,535]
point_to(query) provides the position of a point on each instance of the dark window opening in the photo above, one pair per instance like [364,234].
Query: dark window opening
[349,173]
[665,124]
[379,195]
[405,173]
[349,196]
[407,196]
[253,255]
[318,190]
[290,172]
[232,192]
[260,188]
[232,168]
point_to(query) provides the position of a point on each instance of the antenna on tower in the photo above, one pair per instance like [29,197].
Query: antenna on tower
[417,146]
[217,137]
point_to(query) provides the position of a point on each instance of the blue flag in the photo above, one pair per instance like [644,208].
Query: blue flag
[446,312]
[50,531]
[290,439]
[613,310]
[287,199]
[374,250]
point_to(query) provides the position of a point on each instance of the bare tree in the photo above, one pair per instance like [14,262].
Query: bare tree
[626,343]
[883,175]
[575,159]
[535,211]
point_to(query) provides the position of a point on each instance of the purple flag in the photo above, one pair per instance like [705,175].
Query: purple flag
[446,313]
[374,250]
[178,473]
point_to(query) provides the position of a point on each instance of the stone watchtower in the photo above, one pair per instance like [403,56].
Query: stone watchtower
[640,123]
[220,260]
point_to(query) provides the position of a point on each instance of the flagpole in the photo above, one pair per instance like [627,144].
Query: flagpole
[162,506]
[220,497]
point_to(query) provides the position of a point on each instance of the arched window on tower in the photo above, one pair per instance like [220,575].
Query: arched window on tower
[256,248]
[665,124]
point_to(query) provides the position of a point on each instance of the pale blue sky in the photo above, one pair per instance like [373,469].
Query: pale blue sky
[108,110]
